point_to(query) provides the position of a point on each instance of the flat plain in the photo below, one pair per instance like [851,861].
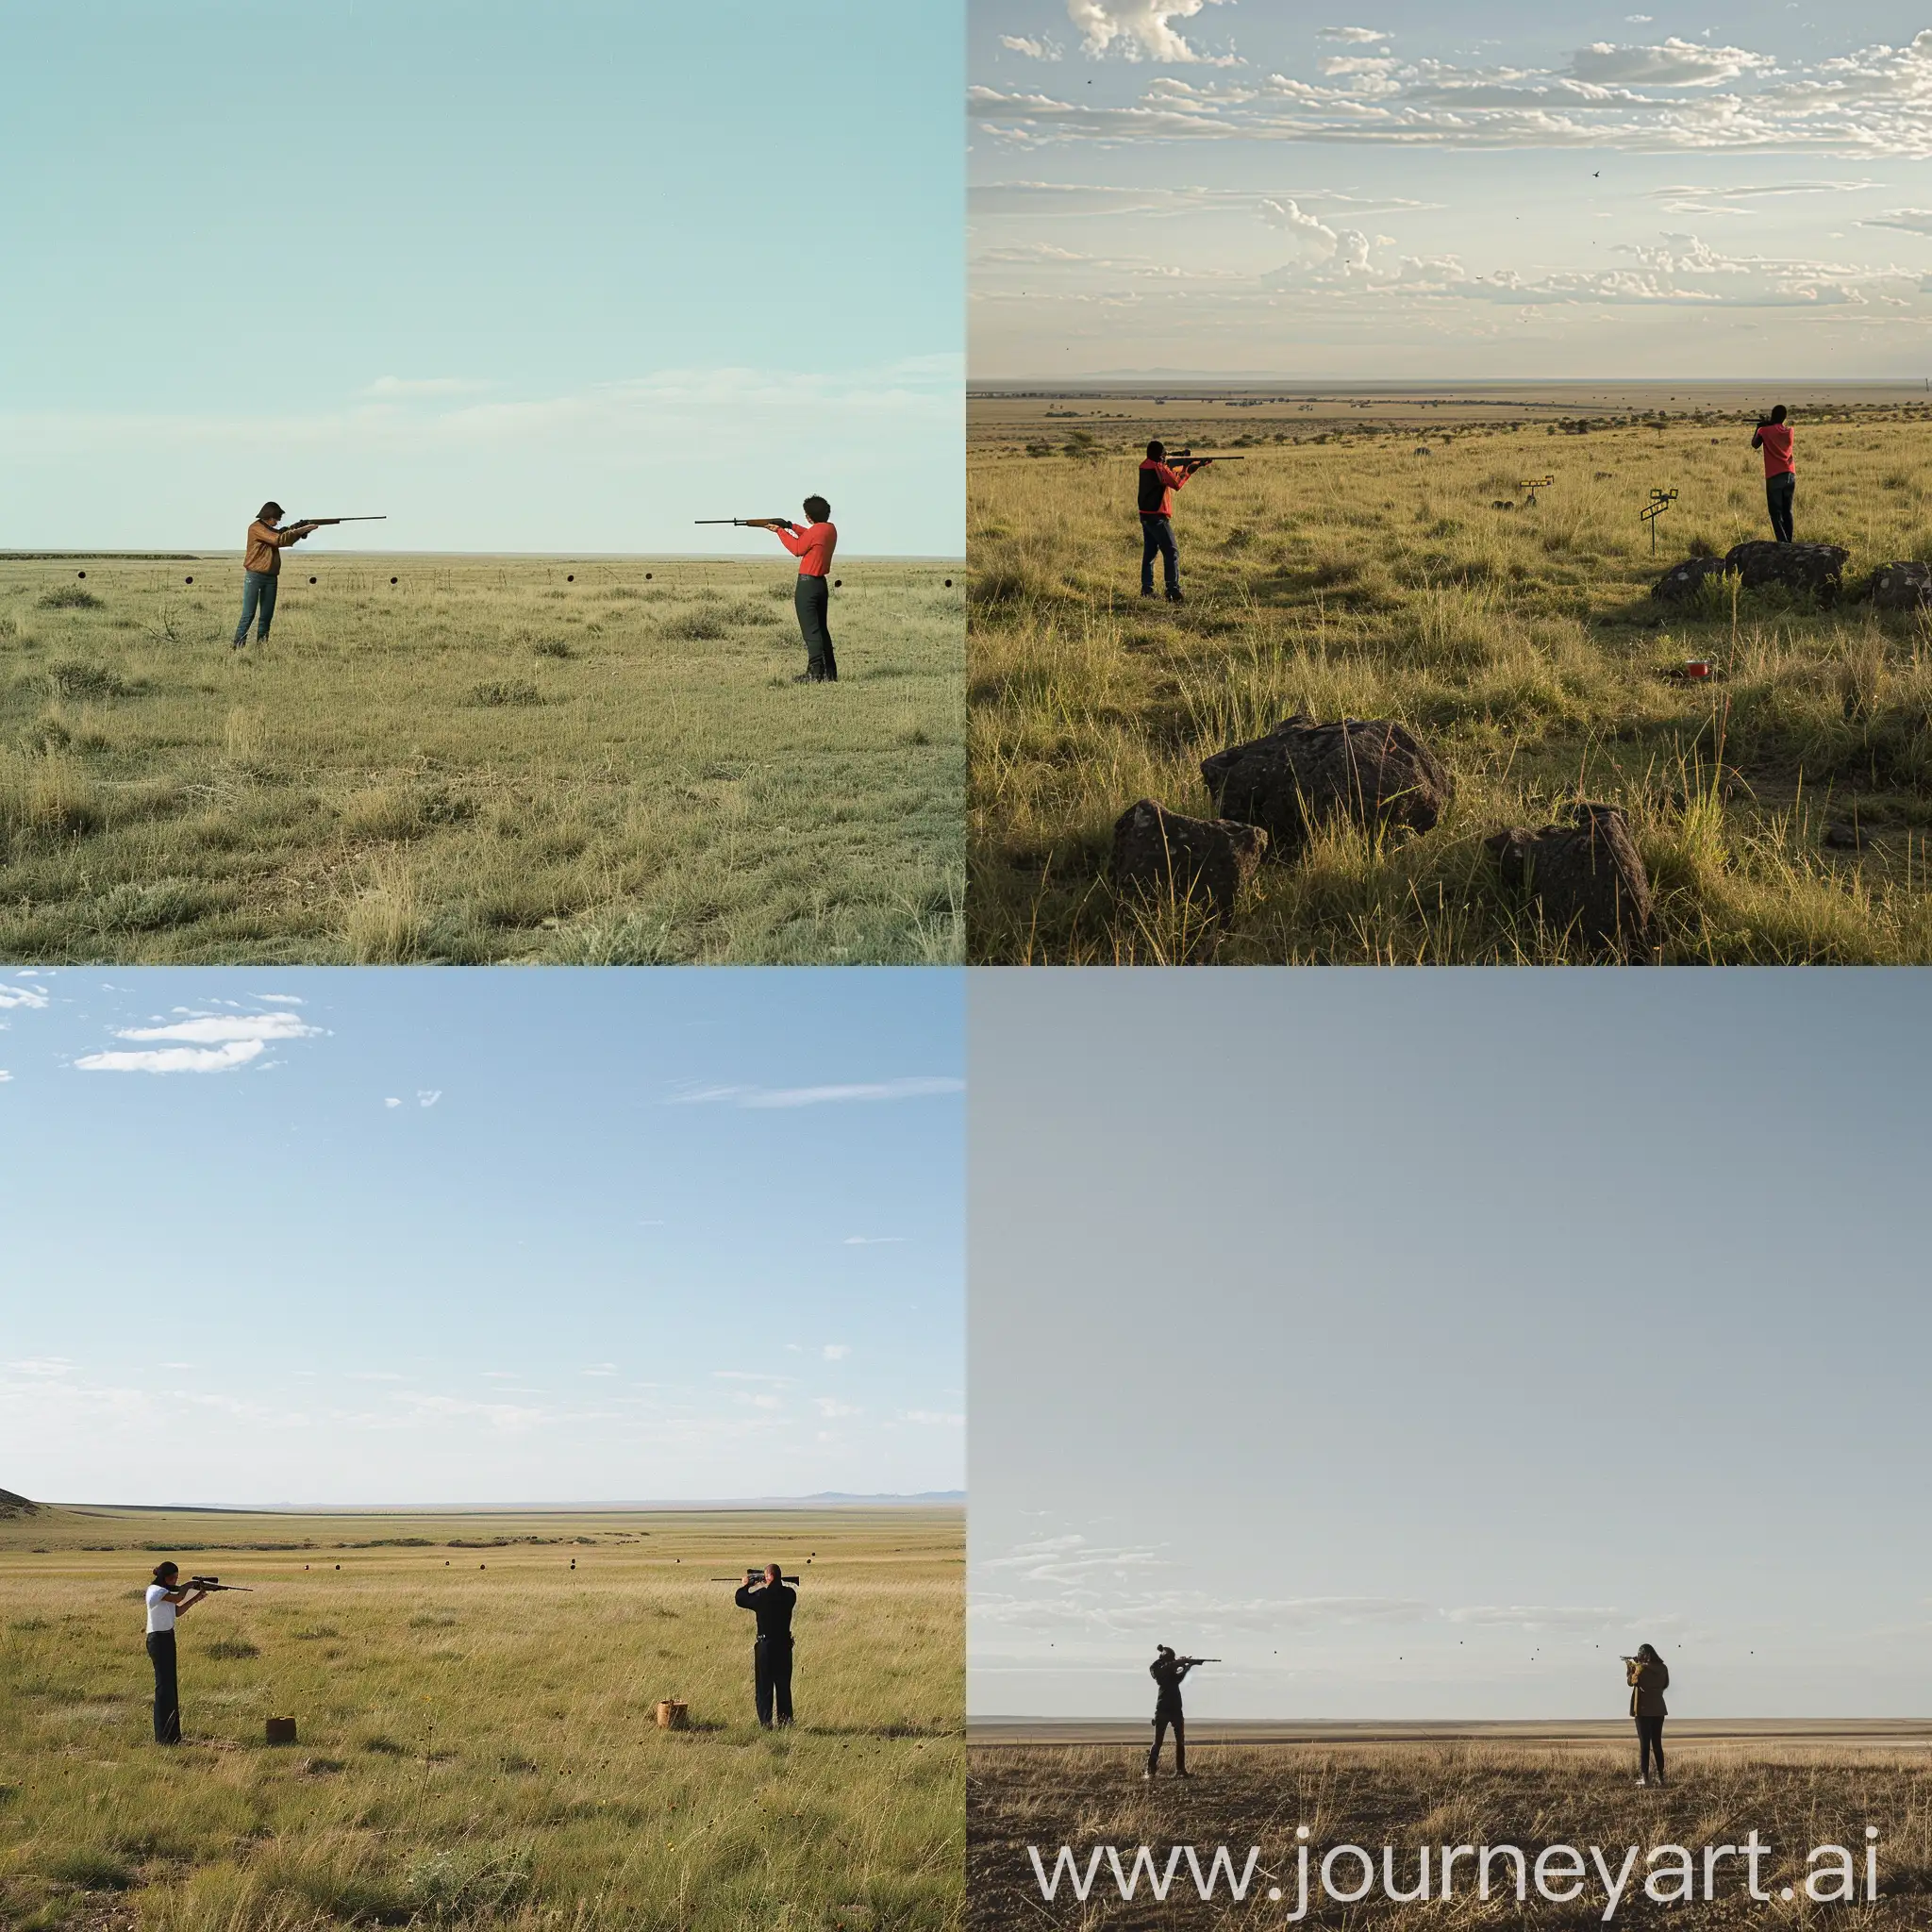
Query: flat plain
[1378,555]
[1530,1793]
[477,759]
[474,1698]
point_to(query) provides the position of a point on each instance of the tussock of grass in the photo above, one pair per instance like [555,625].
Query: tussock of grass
[606,769]
[1347,579]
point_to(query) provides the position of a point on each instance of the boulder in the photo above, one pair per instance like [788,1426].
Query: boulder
[1682,579]
[1588,876]
[1165,855]
[1302,774]
[1815,567]
[1900,585]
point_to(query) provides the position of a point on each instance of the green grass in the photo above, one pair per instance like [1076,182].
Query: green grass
[481,763]
[477,1742]
[1355,577]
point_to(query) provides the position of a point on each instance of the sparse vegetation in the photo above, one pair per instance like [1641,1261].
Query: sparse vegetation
[482,762]
[1344,576]
[477,1744]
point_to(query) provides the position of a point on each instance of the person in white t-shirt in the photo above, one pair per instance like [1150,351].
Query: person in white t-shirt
[166,1602]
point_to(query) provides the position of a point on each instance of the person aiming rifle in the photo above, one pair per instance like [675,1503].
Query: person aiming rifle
[168,1601]
[813,545]
[1160,480]
[1774,437]
[1649,1678]
[261,564]
[1168,1671]
[770,1600]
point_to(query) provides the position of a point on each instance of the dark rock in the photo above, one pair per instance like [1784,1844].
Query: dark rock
[1900,585]
[1850,838]
[1682,579]
[1166,855]
[1588,875]
[1815,567]
[1302,774]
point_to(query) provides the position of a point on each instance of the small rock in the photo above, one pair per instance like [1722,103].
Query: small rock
[1682,579]
[1850,838]
[1302,774]
[1900,585]
[1588,875]
[1796,566]
[1167,855]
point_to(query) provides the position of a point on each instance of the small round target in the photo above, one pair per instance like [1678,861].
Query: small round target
[837,582]
[81,573]
[311,580]
[392,580]
[186,580]
[949,583]
[647,576]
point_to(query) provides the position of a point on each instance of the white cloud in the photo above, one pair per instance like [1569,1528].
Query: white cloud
[1914,221]
[1034,50]
[5,1075]
[1359,36]
[1140,29]
[915,1089]
[874,1240]
[172,1060]
[832,1406]
[602,1369]
[212,1028]
[400,388]
[428,1096]
[21,997]
[279,999]
[836,1351]
[932,1417]
[1674,63]
[392,1101]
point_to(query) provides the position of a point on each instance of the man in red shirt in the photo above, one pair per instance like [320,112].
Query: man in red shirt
[813,548]
[1158,483]
[1780,474]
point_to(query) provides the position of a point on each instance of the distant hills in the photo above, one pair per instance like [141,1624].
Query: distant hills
[11,1505]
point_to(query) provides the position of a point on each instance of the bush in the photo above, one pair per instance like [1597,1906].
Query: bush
[72,679]
[92,1872]
[70,597]
[702,625]
[507,690]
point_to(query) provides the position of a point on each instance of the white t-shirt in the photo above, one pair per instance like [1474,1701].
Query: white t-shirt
[160,1612]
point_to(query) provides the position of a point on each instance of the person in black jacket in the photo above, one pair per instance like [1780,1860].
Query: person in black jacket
[770,1600]
[1649,1678]
[1166,1669]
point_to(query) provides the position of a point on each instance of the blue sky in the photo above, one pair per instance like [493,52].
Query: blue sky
[1436,190]
[556,277]
[415,1236]
[1418,1342]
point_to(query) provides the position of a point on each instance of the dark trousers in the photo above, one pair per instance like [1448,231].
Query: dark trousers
[1778,492]
[160,1650]
[812,600]
[772,1676]
[1156,539]
[1650,1743]
[1161,1719]
[257,604]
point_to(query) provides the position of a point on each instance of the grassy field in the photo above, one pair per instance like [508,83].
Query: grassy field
[477,1744]
[1341,572]
[1416,1794]
[486,759]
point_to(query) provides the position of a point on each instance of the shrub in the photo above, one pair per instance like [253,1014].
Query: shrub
[72,679]
[70,597]
[507,690]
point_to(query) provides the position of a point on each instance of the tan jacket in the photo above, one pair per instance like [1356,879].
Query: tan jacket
[264,550]
[1648,1683]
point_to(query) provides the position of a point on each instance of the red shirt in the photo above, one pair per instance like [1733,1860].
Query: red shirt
[1775,438]
[812,546]
[1170,480]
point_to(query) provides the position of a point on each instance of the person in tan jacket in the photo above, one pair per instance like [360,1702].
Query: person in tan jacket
[261,564]
[1649,1678]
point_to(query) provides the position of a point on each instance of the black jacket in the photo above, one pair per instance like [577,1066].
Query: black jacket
[771,1603]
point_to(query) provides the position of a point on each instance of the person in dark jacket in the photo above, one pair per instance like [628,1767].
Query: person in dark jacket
[1649,1678]
[770,1600]
[1166,1669]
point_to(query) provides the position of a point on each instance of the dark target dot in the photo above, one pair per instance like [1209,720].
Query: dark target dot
[392,580]
[949,583]
[647,576]
[81,573]
[837,582]
[572,578]
[311,580]
[186,580]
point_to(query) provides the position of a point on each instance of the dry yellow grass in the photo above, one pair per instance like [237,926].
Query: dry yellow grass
[477,1741]
[1352,577]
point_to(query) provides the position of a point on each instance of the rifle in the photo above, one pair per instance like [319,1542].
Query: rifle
[315,523]
[749,523]
[1187,456]
[210,1584]
[1197,1660]
[749,1575]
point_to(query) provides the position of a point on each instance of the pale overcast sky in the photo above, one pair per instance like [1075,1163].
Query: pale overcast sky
[1428,191]
[494,1235]
[555,277]
[1418,1343]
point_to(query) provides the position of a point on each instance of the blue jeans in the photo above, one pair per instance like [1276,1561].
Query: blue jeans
[258,595]
[1157,538]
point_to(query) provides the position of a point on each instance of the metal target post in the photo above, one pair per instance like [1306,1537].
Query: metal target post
[1533,484]
[1661,500]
